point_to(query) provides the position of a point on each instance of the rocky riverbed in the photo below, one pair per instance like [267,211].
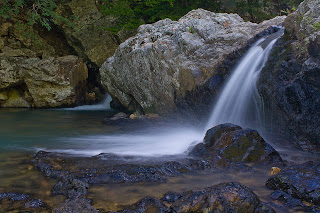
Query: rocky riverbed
[225,149]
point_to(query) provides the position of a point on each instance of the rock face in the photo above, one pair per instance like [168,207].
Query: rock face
[88,37]
[231,143]
[299,181]
[51,82]
[166,60]
[289,83]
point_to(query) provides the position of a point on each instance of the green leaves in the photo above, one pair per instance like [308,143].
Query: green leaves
[130,14]
[36,12]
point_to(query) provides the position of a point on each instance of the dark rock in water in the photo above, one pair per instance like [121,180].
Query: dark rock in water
[119,119]
[34,204]
[79,205]
[147,204]
[229,142]
[290,201]
[14,196]
[171,197]
[17,201]
[213,134]
[224,197]
[72,188]
[299,181]
[114,169]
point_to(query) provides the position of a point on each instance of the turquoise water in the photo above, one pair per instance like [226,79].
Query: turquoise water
[33,129]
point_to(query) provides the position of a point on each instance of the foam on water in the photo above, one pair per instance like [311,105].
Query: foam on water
[104,105]
[163,141]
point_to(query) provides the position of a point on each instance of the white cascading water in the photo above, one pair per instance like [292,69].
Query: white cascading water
[239,102]
[104,105]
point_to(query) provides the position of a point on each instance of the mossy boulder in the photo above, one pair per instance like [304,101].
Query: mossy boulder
[234,144]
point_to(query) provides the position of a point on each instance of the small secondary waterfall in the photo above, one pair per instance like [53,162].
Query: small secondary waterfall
[104,105]
[239,101]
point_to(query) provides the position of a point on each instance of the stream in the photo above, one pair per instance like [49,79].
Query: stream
[80,131]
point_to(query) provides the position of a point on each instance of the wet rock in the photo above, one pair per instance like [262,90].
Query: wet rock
[106,169]
[274,170]
[288,82]
[80,205]
[171,197]
[34,204]
[290,201]
[72,188]
[299,181]
[148,204]
[17,201]
[120,119]
[224,197]
[230,143]
[14,196]
[166,60]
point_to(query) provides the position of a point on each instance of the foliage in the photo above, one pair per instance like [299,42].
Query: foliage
[31,12]
[132,13]
[316,26]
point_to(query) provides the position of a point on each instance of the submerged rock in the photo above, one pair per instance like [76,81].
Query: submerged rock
[147,204]
[166,60]
[299,181]
[224,197]
[80,205]
[229,142]
[108,168]
[23,202]
[289,81]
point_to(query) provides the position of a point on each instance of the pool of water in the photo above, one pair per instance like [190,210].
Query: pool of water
[24,132]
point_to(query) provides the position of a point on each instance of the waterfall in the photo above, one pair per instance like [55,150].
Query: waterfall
[239,102]
[104,105]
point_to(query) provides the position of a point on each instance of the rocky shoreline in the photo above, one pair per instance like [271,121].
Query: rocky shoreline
[226,146]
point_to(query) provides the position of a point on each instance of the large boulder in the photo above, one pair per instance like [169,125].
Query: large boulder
[165,60]
[42,83]
[289,82]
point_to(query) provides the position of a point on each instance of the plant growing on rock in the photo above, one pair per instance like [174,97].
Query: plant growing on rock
[32,12]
